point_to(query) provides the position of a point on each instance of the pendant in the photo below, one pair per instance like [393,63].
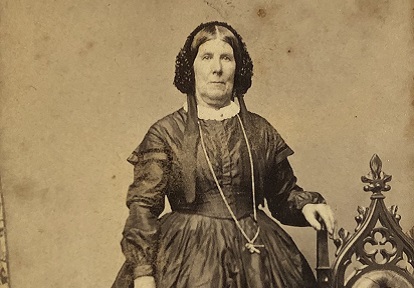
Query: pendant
[253,248]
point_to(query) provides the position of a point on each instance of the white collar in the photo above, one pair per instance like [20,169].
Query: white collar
[207,113]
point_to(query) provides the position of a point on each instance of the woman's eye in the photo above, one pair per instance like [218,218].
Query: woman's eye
[206,57]
[227,58]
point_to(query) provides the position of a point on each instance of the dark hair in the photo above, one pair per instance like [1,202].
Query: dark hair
[184,71]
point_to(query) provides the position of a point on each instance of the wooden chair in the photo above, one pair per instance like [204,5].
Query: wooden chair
[378,254]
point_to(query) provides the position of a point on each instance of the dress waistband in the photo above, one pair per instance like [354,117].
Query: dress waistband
[211,204]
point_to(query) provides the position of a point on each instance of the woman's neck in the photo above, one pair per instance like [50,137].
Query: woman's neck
[215,106]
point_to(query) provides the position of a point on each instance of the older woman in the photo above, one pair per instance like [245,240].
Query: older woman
[216,162]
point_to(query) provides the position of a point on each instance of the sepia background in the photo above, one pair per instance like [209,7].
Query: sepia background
[82,81]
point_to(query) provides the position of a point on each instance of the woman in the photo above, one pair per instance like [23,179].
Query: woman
[216,162]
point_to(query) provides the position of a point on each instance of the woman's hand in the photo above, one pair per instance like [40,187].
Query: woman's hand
[314,213]
[145,282]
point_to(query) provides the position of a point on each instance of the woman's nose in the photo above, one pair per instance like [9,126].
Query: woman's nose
[216,66]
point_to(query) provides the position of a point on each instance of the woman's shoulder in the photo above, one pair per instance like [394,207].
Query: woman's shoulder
[270,137]
[170,124]
[261,123]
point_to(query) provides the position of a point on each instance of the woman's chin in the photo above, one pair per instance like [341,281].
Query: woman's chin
[218,99]
[218,104]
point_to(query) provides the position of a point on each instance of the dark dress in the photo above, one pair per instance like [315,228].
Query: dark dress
[198,244]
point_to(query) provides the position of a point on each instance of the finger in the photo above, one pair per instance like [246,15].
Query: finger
[332,219]
[333,222]
[323,216]
[335,231]
[313,221]
[328,224]
[327,217]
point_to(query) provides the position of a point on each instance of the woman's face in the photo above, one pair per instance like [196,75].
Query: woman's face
[214,68]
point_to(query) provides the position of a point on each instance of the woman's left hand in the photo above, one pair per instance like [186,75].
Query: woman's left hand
[314,213]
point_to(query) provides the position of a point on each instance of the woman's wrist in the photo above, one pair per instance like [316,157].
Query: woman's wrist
[145,282]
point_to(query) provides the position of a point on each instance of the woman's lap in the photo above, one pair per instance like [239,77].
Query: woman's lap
[200,251]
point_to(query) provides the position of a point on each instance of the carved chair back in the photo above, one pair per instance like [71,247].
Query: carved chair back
[377,254]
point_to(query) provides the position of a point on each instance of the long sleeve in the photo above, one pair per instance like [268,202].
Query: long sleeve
[145,199]
[287,199]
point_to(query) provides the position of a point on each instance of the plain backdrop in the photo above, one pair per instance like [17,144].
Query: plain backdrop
[82,81]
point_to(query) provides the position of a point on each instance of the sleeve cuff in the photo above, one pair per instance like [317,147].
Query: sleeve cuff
[143,270]
[283,154]
[302,198]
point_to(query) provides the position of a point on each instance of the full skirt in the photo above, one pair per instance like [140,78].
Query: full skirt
[199,251]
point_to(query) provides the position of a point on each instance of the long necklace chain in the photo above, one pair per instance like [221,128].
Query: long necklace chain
[250,242]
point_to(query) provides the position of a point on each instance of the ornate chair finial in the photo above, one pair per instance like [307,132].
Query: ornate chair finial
[376,179]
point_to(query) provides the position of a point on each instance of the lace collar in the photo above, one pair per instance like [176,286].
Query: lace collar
[207,113]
